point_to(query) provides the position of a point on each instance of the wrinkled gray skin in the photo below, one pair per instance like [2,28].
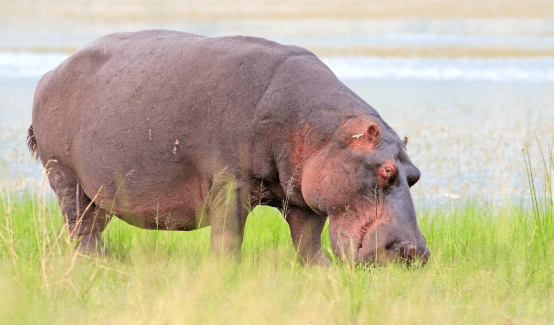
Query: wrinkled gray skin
[169,130]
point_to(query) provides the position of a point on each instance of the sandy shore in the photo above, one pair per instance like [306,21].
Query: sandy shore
[167,11]
[363,51]
[65,26]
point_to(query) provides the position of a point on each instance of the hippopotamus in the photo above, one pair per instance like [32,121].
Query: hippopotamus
[174,131]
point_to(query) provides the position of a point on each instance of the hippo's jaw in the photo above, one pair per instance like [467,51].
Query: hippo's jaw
[347,233]
[373,238]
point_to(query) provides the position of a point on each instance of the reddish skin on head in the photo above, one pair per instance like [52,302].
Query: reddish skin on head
[327,174]
[351,180]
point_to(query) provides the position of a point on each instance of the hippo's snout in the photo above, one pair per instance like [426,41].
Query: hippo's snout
[410,252]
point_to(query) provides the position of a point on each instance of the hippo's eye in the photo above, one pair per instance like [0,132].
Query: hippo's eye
[387,174]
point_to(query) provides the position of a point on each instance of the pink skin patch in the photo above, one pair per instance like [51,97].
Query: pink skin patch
[327,173]
[301,146]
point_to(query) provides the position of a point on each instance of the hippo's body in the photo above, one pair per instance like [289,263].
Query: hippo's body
[169,130]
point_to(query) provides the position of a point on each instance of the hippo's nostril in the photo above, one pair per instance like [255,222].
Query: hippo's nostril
[408,252]
[405,251]
[412,251]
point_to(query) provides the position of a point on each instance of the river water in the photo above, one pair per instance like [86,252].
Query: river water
[467,119]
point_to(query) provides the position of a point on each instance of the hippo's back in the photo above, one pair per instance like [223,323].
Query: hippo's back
[156,109]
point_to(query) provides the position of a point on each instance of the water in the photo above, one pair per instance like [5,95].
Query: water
[527,70]
[467,118]
[27,65]
[522,33]
[14,66]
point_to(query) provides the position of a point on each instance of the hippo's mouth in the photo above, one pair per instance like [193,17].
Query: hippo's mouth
[354,245]
[365,254]
[364,231]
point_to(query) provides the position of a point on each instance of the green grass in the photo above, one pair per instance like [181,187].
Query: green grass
[490,264]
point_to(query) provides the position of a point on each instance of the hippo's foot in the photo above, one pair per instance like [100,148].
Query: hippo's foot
[318,259]
[92,244]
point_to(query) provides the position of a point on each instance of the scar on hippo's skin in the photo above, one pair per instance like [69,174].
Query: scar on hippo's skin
[175,146]
[47,168]
[368,139]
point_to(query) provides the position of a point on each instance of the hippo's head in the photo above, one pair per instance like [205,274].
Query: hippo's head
[361,180]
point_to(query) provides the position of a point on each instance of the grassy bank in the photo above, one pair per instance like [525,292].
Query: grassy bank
[489,264]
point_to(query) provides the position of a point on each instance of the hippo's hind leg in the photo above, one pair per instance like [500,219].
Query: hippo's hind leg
[84,219]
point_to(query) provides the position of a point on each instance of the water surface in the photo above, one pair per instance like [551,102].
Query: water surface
[522,33]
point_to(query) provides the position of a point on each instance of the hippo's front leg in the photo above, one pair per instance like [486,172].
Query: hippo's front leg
[228,210]
[305,227]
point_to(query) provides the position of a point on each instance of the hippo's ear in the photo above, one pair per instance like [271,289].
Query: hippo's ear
[405,141]
[373,133]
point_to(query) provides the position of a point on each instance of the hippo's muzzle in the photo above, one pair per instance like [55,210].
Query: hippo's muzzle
[409,252]
[393,236]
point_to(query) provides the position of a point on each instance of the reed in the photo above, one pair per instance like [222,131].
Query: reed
[541,186]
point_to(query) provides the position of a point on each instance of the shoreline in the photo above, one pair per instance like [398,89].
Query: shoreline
[88,11]
[452,52]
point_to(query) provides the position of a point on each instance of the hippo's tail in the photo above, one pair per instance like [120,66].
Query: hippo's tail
[32,142]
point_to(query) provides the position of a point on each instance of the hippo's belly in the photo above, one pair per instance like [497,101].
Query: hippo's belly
[181,207]
[148,190]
